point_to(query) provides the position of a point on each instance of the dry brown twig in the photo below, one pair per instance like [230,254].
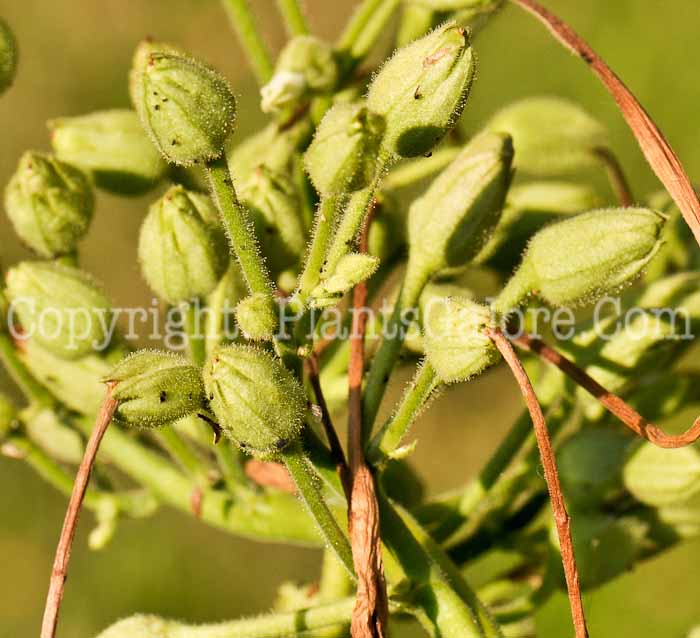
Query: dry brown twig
[371,612]
[59,572]
[613,403]
[561,516]
[658,152]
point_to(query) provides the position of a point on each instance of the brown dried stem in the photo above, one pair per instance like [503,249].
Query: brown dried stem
[612,402]
[561,516]
[312,372]
[65,542]
[658,152]
[371,612]
[616,175]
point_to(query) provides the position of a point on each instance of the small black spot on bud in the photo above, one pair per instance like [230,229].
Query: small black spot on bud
[163,396]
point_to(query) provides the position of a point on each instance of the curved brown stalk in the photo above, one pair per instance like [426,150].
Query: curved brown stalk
[371,612]
[613,403]
[658,152]
[551,475]
[616,175]
[65,542]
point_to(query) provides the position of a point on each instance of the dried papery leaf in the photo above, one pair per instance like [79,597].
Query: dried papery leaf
[661,157]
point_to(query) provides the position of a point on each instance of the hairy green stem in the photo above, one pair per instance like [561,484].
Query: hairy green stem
[308,485]
[412,171]
[30,387]
[196,341]
[365,27]
[230,461]
[182,453]
[243,22]
[238,227]
[393,431]
[294,18]
[333,585]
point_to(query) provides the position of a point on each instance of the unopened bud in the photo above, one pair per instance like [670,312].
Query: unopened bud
[343,154]
[187,108]
[551,135]
[350,271]
[8,56]
[50,204]
[451,222]
[155,388]
[63,308]
[182,248]
[257,317]
[113,147]
[421,91]
[577,260]
[305,66]
[659,477]
[257,401]
[139,60]
[456,343]
[273,202]
[141,626]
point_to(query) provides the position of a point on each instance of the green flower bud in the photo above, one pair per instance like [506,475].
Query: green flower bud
[113,147]
[350,271]
[257,317]
[155,388]
[77,383]
[450,223]
[61,307]
[141,626]
[590,465]
[682,517]
[421,91]
[551,135]
[305,66]
[50,204]
[139,60]
[580,259]
[659,477]
[456,344]
[529,207]
[187,108]
[605,546]
[343,154]
[273,203]
[257,401]
[8,56]
[7,416]
[182,248]
[59,441]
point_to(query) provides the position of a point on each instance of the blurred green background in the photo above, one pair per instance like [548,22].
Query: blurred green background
[75,57]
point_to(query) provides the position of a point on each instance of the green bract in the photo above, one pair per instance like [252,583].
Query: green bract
[577,260]
[155,388]
[456,343]
[257,401]
[421,91]
[61,307]
[273,203]
[350,271]
[342,155]
[450,223]
[187,108]
[257,317]
[50,204]
[112,146]
[552,135]
[182,247]
[8,56]
[305,66]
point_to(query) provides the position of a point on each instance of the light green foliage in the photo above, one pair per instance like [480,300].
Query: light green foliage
[552,135]
[455,341]
[342,155]
[451,222]
[112,146]
[257,317]
[257,401]
[186,107]
[8,56]
[154,388]
[582,258]
[63,308]
[182,248]
[421,91]
[50,204]
[305,66]
[659,477]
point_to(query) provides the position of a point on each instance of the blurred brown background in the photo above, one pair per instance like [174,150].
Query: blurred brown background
[74,59]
